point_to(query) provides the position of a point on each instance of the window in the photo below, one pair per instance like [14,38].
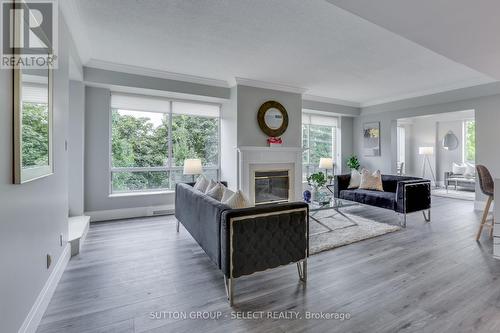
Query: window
[469,145]
[401,149]
[151,138]
[319,137]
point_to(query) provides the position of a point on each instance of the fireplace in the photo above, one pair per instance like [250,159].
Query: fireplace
[271,186]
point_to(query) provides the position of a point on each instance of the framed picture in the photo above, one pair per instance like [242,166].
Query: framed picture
[371,139]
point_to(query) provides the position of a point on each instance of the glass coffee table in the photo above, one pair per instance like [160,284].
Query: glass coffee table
[326,201]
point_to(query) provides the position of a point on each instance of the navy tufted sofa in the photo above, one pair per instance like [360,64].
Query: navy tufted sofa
[401,193]
[244,241]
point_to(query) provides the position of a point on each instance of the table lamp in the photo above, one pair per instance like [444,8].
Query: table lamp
[327,164]
[192,166]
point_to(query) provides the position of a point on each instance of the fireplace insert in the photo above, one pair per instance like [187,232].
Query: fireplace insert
[271,186]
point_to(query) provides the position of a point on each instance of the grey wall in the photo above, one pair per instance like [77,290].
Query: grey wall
[346,143]
[329,107]
[249,101]
[487,135]
[97,176]
[100,76]
[76,145]
[229,155]
[32,215]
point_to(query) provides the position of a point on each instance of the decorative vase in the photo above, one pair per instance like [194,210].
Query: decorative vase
[315,193]
[307,196]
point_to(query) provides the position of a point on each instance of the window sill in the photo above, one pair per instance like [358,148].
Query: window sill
[140,194]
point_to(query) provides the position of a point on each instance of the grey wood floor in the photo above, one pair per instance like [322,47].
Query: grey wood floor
[427,278]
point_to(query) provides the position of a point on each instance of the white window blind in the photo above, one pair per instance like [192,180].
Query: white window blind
[139,103]
[316,119]
[195,109]
[35,93]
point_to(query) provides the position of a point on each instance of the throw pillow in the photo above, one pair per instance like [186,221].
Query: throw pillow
[201,183]
[216,192]
[210,186]
[227,194]
[371,181]
[237,200]
[470,170]
[355,179]
[458,169]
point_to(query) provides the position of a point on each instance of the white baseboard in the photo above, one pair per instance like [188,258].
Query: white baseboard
[35,315]
[126,213]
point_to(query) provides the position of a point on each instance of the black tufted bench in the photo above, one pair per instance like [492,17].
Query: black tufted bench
[245,241]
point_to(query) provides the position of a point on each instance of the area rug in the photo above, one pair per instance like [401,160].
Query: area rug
[344,230]
[461,195]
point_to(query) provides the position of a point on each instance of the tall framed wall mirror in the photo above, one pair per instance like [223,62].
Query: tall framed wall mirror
[33,81]
[33,122]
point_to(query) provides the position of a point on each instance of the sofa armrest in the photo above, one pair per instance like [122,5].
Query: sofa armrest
[258,238]
[413,196]
[200,215]
[341,182]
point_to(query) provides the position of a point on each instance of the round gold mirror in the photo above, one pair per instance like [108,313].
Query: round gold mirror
[272,118]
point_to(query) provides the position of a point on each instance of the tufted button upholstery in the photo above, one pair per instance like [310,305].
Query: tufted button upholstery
[260,242]
[264,242]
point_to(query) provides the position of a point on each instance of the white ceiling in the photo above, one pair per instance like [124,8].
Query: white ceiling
[309,44]
[463,30]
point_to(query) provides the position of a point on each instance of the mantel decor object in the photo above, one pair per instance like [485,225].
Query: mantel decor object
[272,118]
[274,142]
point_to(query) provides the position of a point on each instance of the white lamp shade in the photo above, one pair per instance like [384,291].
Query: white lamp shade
[192,166]
[426,150]
[326,163]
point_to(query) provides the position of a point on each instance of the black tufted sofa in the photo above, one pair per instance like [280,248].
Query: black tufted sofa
[244,241]
[401,193]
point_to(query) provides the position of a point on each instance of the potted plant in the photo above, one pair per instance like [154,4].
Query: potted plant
[353,162]
[316,181]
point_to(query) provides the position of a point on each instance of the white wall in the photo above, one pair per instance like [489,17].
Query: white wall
[32,215]
[76,145]
[445,158]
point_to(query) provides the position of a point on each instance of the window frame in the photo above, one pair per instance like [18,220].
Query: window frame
[335,153]
[464,140]
[169,168]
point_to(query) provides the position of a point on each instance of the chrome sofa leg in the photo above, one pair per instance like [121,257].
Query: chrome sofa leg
[428,216]
[229,284]
[302,269]
[402,220]
[177,226]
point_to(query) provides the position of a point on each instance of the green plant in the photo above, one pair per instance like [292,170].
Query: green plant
[317,179]
[353,162]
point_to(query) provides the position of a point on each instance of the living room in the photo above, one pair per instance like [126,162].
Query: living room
[249,166]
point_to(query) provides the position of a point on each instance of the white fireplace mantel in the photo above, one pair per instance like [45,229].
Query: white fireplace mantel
[270,149]
[251,159]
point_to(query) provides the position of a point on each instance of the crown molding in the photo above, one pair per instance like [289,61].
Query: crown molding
[137,70]
[330,100]
[423,93]
[268,85]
